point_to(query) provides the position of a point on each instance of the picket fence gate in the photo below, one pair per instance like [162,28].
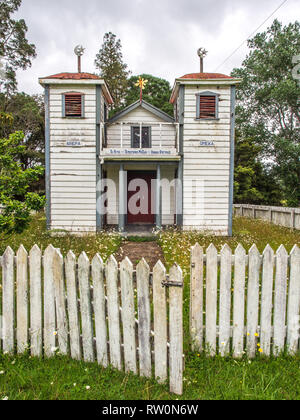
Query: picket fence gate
[88,310]
[245,304]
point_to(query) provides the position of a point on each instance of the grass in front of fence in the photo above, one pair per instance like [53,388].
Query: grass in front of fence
[60,378]
[104,243]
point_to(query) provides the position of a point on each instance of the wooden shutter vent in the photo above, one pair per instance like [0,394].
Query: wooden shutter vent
[207,106]
[73,105]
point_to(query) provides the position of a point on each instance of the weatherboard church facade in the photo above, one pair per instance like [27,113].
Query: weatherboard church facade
[141,167]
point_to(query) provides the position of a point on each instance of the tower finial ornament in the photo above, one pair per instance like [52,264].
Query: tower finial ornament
[202,52]
[79,51]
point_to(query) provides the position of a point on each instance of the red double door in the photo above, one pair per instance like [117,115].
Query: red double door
[140,198]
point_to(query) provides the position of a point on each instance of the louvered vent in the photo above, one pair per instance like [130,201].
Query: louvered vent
[207,106]
[73,105]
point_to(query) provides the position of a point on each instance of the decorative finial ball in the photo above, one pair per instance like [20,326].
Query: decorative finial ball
[202,52]
[79,50]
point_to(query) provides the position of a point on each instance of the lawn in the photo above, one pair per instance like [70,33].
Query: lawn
[23,377]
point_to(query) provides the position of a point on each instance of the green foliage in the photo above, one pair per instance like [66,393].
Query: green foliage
[267,97]
[27,114]
[109,61]
[157,92]
[15,183]
[253,182]
[15,50]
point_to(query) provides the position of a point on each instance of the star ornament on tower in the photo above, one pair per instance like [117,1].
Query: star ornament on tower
[141,84]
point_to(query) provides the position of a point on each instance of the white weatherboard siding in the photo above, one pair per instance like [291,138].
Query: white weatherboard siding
[168,132]
[206,169]
[73,168]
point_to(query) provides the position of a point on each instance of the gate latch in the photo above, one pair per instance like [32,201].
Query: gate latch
[171,284]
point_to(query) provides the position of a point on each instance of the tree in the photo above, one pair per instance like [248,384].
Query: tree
[15,182]
[267,99]
[253,183]
[157,92]
[109,61]
[15,50]
[29,117]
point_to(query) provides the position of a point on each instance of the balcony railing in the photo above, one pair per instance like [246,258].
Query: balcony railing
[164,139]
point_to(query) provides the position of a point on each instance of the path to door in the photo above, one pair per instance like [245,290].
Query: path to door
[135,251]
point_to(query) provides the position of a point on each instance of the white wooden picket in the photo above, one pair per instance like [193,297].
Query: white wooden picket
[252,301]
[240,303]
[93,311]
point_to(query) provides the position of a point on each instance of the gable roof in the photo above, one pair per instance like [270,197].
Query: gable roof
[205,76]
[202,79]
[74,76]
[151,108]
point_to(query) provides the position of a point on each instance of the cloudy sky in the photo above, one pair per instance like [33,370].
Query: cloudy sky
[159,37]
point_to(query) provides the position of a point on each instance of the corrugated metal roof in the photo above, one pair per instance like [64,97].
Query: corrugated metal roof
[205,76]
[74,76]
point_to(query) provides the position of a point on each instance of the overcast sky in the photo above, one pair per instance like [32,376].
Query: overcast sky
[159,37]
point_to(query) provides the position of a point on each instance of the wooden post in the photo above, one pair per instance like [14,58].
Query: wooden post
[211,299]
[8,305]
[239,301]
[196,298]
[113,312]
[36,328]
[99,310]
[22,300]
[143,273]
[70,272]
[266,300]
[160,322]
[225,300]
[280,300]
[253,300]
[176,330]
[293,318]
[85,308]
[128,317]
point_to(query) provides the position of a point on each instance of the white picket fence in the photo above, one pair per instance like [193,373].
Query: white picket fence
[88,310]
[245,304]
[133,319]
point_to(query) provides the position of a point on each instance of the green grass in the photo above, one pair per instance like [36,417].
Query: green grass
[204,378]
[60,378]
[105,243]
